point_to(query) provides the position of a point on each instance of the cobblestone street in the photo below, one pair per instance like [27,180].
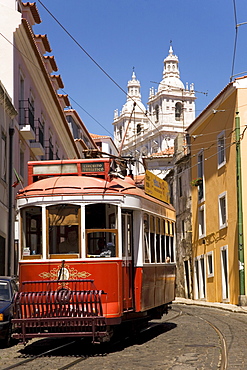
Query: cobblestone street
[182,340]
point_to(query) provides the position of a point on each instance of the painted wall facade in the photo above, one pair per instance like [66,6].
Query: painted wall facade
[215,234]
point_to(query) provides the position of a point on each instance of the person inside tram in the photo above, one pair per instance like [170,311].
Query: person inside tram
[70,245]
[101,246]
[105,250]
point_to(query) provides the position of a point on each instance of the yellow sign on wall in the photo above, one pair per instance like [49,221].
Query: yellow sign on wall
[156,187]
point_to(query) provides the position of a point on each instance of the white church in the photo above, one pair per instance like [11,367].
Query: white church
[147,133]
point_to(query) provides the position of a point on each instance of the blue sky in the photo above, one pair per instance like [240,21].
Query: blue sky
[122,34]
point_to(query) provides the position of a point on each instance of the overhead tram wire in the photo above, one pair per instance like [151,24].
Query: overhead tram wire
[235,40]
[96,63]
[38,67]
[84,110]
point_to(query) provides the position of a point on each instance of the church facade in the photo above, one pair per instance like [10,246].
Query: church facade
[147,133]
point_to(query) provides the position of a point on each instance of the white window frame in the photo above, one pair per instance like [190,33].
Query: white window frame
[200,278]
[222,221]
[210,255]
[200,174]
[224,279]
[201,230]
[3,164]
[221,159]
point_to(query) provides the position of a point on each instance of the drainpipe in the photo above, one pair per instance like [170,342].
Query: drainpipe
[10,205]
[240,215]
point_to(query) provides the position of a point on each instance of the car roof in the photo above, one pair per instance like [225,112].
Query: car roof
[7,278]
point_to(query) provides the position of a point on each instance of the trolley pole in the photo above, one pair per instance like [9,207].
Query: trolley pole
[242,297]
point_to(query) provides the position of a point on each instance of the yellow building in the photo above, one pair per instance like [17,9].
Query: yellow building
[219,202]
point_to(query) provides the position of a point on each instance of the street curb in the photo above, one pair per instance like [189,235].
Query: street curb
[222,306]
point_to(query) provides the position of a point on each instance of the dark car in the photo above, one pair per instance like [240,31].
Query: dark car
[8,288]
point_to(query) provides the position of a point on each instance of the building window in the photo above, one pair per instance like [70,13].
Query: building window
[222,210]
[50,155]
[157,113]
[200,174]
[22,163]
[201,221]
[224,273]
[210,264]
[4,158]
[178,111]
[221,149]
[187,277]
[138,129]
[200,280]
[180,187]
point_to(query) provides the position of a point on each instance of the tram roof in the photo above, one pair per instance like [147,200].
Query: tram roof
[84,185]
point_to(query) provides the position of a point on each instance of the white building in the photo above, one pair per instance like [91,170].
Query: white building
[149,133]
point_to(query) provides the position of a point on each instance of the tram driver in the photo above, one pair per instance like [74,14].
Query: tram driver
[70,245]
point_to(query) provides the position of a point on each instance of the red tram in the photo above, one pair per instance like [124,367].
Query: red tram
[93,250]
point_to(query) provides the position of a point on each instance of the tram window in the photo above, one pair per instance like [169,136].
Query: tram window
[64,230]
[167,246]
[152,238]
[152,247]
[166,227]
[32,231]
[172,249]
[157,239]
[123,235]
[146,238]
[126,234]
[129,235]
[162,240]
[101,216]
[95,216]
[163,251]
[102,243]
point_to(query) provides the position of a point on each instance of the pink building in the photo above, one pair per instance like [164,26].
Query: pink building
[41,128]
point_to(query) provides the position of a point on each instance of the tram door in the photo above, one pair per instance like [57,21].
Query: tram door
[127,264]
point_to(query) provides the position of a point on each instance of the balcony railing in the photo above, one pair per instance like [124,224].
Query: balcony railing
[26,119]
[26,113]
[37,144]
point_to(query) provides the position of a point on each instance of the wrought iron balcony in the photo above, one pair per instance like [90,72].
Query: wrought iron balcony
[37,145]
[26,119]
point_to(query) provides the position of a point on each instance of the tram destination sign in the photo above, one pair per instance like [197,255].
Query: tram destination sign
[156,187]
[93,167]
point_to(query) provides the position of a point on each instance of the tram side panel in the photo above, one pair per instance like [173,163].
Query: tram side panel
[154,286]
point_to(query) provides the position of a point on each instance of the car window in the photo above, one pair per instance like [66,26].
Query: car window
[14,287]
[4,290]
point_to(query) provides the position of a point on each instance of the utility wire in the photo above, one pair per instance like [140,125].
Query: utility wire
[38,68]
[93,60]
[235,41]
[98,65]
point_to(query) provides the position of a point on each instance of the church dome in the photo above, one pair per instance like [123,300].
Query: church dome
[171,76]
[134,95]
[170,83]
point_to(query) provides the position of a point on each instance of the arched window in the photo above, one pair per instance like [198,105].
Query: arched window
[120,132]
[178,111]
[138,129]
[157,113]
